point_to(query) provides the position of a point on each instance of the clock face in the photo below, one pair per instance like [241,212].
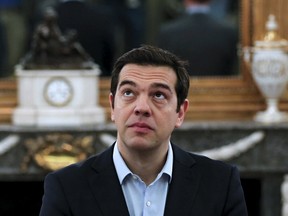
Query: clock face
[58,92]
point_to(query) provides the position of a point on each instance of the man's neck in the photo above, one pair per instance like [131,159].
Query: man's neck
[147,164]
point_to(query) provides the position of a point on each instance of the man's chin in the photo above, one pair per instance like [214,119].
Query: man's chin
[140,143]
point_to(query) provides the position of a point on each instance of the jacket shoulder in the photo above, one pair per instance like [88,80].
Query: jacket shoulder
[201,162]
[91,164]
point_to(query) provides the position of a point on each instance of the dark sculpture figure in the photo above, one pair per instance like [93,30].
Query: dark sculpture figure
[51,49]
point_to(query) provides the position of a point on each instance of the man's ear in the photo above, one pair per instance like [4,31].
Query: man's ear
[181,113]
[111,102]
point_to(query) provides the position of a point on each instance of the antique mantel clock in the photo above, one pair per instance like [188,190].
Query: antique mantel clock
[57,80]
[58,98]
[58,91]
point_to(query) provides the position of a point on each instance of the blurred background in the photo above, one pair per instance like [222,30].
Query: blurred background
[124,24]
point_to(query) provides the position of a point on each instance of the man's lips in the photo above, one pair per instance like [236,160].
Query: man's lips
[140,125]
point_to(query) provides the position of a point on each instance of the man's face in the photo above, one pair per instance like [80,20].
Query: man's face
[145,106]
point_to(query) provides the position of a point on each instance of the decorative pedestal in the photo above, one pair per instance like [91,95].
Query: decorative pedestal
[58,98]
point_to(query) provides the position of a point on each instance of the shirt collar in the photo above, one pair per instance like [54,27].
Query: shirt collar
[198,9]
[122,169]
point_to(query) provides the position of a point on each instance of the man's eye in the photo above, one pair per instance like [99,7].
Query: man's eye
[159,95]
[128,93]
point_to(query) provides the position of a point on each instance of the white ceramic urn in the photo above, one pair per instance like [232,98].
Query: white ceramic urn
[270,72]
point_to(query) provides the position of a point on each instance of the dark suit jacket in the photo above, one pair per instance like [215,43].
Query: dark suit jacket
[95,29]
[209,46]
[199,187]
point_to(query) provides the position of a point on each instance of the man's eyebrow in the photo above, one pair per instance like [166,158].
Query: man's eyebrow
[161,85]
[154,85]
[127,82]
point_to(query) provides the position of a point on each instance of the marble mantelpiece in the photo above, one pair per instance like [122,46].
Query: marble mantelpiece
[264,160]
[269,154]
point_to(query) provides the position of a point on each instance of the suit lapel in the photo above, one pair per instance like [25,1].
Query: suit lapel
[106,187]
[108,192]
[184,185]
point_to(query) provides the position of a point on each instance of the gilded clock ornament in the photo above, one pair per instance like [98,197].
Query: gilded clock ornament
[57,150]
[58,91]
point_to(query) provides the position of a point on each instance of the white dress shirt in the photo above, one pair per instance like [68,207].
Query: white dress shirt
[143,200]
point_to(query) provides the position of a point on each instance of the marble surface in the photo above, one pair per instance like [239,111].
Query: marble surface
[265,161]
[268,155]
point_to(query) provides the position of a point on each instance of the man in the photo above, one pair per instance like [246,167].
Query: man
[143,173]
[3,51]
[130,18]
[94,27]
[14,23]
[208,44]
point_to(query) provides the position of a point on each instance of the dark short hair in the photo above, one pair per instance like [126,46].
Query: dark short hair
[151,55]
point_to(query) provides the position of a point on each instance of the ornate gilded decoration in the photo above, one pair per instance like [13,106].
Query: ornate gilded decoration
[54,151]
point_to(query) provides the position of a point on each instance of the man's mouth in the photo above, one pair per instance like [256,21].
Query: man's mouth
[141,127]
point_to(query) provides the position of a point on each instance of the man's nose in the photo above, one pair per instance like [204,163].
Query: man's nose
[142,106]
